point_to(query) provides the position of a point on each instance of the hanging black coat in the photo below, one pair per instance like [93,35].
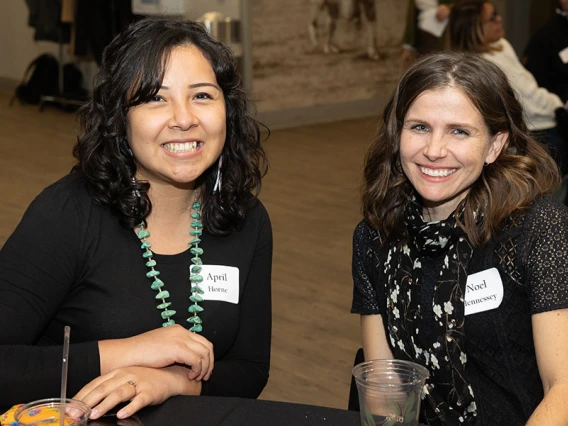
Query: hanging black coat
[97,22]
[45,17]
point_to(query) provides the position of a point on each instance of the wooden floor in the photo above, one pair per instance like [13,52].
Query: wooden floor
[311,193]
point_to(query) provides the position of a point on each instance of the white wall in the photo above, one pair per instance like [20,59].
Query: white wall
[18,48]
[229,8]
[191,9]
[17,45]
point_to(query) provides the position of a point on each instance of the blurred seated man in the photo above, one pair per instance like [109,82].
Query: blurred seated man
[477,27]
[546,55]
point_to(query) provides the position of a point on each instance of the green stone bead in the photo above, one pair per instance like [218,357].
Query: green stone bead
[196,225]
[194,320]
[145,245]
[147,254]
[196,261]
[168,313]
[195,232]
[195,241]
[164,294]
[157,284]
[195,309]
[196,206]
[195,215]
[196,250]
[153,273]
[167,323]
[163,305]
[196,278]
[143,234]
[197,328]
[196,298]
[196,289]
[151,263]
[195,269]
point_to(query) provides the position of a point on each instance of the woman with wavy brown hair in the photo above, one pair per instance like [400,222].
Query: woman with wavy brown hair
[459,263]
[155,249]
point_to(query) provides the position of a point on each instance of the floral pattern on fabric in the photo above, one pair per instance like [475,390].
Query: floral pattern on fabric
[442,352]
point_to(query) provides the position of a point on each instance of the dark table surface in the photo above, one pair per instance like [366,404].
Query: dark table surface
[219,411]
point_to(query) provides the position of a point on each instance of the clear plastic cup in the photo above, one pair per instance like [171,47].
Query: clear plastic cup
[389,391]
[47,412]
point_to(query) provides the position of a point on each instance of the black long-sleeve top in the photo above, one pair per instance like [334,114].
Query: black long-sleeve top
[69,262]
[542,56]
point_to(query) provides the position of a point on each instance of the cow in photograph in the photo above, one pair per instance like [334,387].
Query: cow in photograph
[360,12]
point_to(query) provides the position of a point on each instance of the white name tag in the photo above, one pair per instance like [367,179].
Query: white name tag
[220,283]
[483,291]
[564,55]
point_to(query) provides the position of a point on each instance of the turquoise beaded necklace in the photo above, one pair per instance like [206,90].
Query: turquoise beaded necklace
[194,273]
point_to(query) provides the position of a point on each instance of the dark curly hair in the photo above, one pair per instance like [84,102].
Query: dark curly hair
[132,71]
[523,170]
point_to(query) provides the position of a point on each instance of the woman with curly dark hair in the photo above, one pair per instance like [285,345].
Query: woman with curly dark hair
[155,249]
[460,261]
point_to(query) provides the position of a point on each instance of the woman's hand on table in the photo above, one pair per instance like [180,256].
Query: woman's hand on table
[142,386]
[158,348]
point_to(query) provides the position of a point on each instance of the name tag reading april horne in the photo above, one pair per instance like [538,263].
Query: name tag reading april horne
[483,291]
[220,283]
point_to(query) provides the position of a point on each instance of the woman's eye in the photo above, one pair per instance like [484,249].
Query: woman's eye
[156,98]
[420,127]
[460,132]
[203,95]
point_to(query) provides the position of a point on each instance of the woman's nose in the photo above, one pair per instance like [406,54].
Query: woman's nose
[435,147]
[183,117]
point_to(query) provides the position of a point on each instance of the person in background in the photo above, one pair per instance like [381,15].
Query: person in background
[477,27]
[546,57]
[546,54]
[154,249]
[417,41]
[460,262]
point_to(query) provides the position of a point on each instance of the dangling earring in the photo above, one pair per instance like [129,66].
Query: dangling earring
[218,181]
[134,182]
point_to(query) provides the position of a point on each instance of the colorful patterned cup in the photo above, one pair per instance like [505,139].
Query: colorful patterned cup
[47,412]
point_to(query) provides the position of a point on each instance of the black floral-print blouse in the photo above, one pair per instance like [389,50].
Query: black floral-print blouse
[531,255]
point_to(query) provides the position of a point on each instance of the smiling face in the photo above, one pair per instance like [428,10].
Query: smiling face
[492,24]
[443,147]
[181,132]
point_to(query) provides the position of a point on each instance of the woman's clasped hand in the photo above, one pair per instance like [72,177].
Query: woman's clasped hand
[161,347]
[149,368]
[141,386]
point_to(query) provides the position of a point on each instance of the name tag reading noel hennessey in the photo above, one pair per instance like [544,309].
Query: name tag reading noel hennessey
[220,283]
[483,291]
